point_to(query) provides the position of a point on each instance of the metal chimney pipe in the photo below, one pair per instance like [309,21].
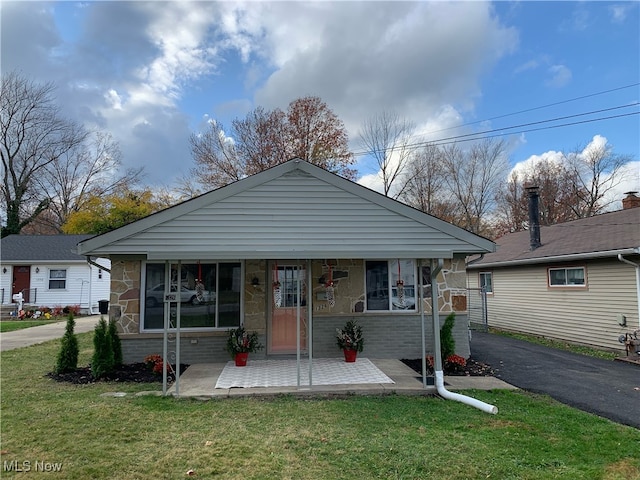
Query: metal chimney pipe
[534,217]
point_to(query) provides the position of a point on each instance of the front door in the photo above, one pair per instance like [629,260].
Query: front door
[21,281]
[284,308]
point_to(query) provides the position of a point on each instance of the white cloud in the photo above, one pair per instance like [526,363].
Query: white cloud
[620,12]
[560,76]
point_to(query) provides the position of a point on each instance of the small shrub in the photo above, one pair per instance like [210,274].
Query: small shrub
[154,363]
[102,362]
[116,344]
[68,355]
[447,343]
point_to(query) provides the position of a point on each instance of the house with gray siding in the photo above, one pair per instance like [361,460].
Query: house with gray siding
[580,285]
[292,253]
[48,271]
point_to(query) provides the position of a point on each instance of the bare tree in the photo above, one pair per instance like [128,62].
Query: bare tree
[425,187]
[596,170]
[33,135]
[386,137]
[216,158]
[474,177]
[91,168]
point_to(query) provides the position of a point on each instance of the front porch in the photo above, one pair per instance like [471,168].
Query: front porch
[387,376]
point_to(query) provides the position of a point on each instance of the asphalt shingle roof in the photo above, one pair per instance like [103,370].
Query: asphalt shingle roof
[612,231]
[40,248]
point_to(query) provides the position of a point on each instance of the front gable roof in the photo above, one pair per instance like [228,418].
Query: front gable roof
[602,235]
[294,210]
[41,248]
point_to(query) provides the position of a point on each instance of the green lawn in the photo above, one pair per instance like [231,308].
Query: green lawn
[391,437]
[559,344]
[11,325]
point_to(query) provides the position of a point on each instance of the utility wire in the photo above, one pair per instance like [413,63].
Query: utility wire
[538,108]
[478,135]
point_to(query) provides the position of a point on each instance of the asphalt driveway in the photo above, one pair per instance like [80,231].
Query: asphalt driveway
[606,388]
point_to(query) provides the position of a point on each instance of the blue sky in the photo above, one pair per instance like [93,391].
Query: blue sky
[151,73]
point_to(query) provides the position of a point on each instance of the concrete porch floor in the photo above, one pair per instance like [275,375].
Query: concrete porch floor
[199,381]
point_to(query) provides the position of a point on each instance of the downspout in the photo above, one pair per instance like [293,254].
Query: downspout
[97,265]
[637,267]
[442,391]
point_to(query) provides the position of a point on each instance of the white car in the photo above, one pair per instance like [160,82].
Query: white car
[155,296]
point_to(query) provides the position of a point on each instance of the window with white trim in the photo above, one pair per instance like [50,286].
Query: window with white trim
[486,281]
[209,294]
[390,285]
[567,277]
[57,279]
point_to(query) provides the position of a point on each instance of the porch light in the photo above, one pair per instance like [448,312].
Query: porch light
[37,270]
[255,281]
[4,270]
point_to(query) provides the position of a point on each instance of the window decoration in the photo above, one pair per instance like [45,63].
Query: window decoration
[400,287]
[330,293]
[277,288]
[390,285]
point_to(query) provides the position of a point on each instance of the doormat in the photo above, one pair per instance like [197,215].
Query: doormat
[284,373]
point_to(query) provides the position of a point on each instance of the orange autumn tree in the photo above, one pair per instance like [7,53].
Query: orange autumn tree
[309,130]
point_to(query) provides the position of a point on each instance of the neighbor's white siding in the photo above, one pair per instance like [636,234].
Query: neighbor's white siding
[523,302]
[83,285]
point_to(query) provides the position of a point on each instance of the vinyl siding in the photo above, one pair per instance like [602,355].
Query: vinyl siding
[83,287]
[292,216]
[523,302]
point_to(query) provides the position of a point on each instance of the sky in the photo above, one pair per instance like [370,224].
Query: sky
[153,73]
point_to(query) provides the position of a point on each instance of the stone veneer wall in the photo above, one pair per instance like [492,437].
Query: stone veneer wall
[124,300]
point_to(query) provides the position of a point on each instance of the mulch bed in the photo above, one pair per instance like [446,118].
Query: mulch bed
[134,372]
[472,368]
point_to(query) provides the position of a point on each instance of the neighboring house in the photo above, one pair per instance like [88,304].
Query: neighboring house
[48,272]
[263,252]
[576,286]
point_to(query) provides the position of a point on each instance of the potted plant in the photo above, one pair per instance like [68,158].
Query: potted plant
[240,343]
[349,338]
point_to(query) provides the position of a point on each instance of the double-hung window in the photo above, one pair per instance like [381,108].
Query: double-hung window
[486,281]
[57,279]
[390,285]
[567,277]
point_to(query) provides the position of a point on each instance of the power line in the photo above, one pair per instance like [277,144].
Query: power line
[479,135]
[538,108]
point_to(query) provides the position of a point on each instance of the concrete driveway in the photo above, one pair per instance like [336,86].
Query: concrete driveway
[44,333]
[607,388]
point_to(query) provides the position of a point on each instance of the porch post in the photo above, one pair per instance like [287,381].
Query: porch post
[310,321]
[165,338]
[422,326]
[435,313]
[298,320]
[178,313]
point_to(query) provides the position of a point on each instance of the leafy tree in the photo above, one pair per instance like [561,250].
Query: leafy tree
[101,215]
[308,130]
[69,350]
[386,137]
[33,135]
[102,362]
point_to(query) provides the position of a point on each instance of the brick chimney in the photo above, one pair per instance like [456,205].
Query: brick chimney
[534,217]
[630,201]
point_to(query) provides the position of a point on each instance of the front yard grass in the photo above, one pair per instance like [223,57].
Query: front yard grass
[12,325]
[354,437]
